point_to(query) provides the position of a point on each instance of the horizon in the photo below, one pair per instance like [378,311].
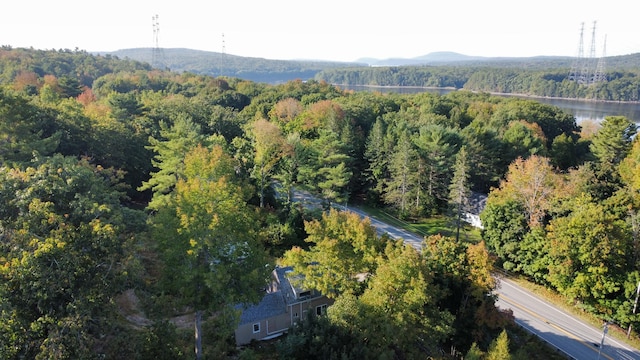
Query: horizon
[327,31]
[452,53]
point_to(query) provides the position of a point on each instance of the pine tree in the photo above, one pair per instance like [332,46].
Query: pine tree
[177,140]
[499,348]
[459,189]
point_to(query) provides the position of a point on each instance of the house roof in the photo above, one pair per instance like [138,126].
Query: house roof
[289,291]
[272,304]
[477,202]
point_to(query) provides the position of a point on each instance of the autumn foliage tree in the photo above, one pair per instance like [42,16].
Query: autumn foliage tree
[63,257]
[534,184]
[207,235]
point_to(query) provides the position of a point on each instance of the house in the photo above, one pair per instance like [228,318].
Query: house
[477,203]
[284,304]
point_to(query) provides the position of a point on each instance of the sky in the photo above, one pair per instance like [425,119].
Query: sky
[333,30]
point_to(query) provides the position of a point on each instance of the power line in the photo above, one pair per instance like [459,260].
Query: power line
[586,70]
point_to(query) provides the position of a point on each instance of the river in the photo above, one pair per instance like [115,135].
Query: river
[581,110]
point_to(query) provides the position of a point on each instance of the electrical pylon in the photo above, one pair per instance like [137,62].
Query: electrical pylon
[157,57]
[577,65]
[584,69]
[601,73]
[586,75]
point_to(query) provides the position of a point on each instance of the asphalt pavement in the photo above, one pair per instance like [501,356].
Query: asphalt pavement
[570,336]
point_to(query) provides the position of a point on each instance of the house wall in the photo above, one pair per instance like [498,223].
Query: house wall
[268,327]
[280,323]
[302,307]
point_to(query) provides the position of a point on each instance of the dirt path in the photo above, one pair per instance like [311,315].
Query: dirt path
[129,308]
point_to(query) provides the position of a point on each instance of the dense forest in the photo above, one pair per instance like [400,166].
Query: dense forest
[536,76]
[621,85]
[222,64]
[132,197]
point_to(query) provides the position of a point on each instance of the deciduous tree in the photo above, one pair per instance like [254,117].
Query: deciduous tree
[268,145]
[63,257]
[342,246]
[207,233]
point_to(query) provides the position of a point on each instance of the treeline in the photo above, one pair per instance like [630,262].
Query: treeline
[574,231]
[165,184]
[221,64]
[24,66]
[622,84]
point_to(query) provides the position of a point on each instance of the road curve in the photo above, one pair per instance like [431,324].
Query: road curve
[576,339]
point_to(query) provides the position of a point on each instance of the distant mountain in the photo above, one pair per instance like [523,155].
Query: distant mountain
[453,58]
[431,58]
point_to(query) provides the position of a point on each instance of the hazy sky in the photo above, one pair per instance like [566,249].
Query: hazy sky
[342,30]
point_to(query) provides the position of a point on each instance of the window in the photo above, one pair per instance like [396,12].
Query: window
[321,310]
[256,328]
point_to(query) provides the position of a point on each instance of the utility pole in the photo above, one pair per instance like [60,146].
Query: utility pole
[605,330]
[635,307]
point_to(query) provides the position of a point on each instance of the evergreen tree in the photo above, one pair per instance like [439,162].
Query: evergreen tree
[613,140]
[459,189]
[177,140]
[333,171]
[403,179]
[499,348]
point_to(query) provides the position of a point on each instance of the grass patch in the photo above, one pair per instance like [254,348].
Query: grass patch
[436,225]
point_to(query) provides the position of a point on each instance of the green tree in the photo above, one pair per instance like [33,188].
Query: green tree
[342,246]
[377,156]
[404,177]
[63,257]
[504,227]
[462,278]
[474,353]
[436,146]
[402,297]
[24,129]
[588,252]
[499,348]
[177,140]
[459,192]
[287,172]
[268,145]
[333,167]
[208,237]
[523,139]
[613,140]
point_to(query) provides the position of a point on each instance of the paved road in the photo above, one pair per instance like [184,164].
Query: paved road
[573,337]
[570,336]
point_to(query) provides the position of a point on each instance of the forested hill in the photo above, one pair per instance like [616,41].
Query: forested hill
[24,66]
[539,76]
[87,142]
[220,64]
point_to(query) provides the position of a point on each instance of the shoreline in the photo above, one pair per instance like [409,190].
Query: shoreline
[451,89]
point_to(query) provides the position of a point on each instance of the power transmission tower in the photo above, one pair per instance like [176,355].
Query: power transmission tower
[601,72]
[586,75]
[577,65]
[157,56]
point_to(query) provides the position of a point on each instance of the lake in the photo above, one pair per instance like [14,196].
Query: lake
[581,110]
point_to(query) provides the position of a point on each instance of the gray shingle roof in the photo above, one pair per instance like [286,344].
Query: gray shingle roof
[272,304]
